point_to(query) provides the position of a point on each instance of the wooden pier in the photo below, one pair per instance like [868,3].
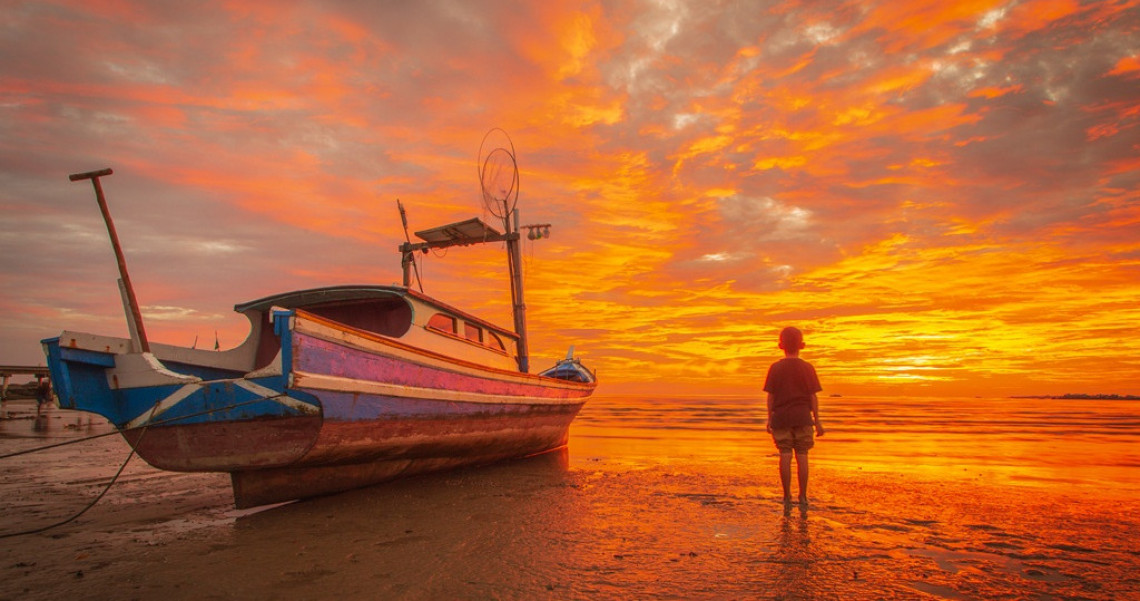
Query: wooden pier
[7,371]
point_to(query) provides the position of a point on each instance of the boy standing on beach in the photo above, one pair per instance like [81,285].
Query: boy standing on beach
[793,410]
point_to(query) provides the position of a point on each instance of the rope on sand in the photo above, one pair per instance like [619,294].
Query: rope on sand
[75,516]
[58,444]
[122,467]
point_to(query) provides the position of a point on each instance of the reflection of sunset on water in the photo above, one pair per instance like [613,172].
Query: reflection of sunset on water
[942,195]
[1083,446]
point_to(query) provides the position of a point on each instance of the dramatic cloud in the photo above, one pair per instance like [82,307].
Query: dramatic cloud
[943,195]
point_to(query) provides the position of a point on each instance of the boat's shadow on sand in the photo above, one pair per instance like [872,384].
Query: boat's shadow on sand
[405,496]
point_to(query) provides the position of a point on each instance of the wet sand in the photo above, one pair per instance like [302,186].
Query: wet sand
[576,525]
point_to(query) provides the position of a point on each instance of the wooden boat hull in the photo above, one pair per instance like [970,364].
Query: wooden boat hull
[337,409]
[409,446]
[289,458]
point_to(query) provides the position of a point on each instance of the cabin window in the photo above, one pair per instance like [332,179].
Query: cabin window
[495,342]
[387,316]
[442,323]
[473,332]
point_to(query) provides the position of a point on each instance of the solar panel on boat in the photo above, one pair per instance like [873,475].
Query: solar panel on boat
[474,229]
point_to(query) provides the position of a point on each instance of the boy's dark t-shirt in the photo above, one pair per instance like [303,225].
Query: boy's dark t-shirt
[791,381]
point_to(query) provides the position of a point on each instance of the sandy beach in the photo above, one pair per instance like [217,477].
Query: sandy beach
[572,525]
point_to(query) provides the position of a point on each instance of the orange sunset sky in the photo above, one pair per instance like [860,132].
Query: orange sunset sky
[942,194]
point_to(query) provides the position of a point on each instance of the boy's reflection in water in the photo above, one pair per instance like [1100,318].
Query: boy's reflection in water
[794,554]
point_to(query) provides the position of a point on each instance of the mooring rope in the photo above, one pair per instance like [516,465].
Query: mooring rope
[76,516]
[146,425]
[122,467]
[58,444]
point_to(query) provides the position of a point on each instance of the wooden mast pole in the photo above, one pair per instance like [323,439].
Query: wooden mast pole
[514,257]
[135,316]
[514,266]
[408,260]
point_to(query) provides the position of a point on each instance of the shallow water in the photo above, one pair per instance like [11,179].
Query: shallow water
[655,498]
[1091,446]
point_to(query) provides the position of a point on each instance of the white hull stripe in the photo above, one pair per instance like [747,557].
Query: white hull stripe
[279,397]
[339,384]
[267,394]
[163,406]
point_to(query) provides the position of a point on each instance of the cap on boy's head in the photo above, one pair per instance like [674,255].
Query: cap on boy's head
[791,339]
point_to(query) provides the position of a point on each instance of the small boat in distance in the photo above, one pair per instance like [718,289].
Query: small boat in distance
[335,388]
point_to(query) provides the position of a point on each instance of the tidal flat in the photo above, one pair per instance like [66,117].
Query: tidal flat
[654,498]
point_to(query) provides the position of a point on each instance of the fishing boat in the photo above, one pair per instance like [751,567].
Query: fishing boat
[335,388]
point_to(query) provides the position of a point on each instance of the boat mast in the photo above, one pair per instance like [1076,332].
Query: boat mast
[474,231]
[499,181]
[131,304]
[408,262]
[518,305]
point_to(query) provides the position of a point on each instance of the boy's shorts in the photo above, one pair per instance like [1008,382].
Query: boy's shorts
[799,439]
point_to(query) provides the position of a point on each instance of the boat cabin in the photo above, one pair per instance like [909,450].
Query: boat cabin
[393,312]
